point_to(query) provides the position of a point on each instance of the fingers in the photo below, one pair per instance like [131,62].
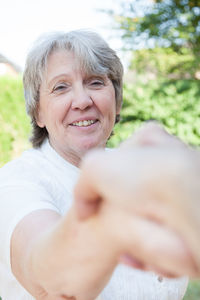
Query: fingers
[108,177]
[156,247]
[151,244]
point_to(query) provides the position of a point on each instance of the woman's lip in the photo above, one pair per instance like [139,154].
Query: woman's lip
[84,119]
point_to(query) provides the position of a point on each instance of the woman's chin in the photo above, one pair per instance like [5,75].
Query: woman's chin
[86,146]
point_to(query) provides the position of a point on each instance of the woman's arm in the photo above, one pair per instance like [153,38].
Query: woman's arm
[56,257]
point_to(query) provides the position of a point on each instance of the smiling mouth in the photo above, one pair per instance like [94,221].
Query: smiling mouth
[84,123]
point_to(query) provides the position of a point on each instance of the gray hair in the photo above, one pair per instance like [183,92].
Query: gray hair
[95,57]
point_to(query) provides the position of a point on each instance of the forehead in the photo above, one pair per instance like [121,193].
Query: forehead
[64,60]
[60,61]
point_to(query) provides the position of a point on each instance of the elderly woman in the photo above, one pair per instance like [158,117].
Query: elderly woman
[73,91]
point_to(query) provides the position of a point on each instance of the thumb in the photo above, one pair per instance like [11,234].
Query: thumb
[87,197]
[87,200]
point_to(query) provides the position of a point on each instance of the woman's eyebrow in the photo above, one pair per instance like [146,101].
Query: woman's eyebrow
[54,78]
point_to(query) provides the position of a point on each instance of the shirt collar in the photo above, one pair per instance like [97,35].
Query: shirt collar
[56,158]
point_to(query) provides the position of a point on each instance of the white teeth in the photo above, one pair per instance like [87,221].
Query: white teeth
[83,123]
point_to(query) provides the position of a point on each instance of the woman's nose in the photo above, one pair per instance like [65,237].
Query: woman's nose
[81,99]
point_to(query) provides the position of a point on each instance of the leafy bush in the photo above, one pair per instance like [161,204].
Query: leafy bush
[174,103]
[165,62]
[14,122]
[171,24]
[15,128]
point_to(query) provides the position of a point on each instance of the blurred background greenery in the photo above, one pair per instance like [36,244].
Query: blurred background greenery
[15,128]
[162,82]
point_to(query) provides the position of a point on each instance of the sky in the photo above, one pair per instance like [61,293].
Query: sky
[22,21]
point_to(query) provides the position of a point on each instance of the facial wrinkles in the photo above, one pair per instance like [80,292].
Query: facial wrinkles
[73,75]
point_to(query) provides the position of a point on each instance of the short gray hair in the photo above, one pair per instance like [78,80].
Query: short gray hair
[95,57]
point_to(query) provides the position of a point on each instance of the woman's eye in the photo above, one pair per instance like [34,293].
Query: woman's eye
[97,83]
[59,88]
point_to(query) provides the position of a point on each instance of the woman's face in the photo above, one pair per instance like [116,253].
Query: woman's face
[78,110]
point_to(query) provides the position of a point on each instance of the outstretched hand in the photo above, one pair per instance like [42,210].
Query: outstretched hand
[149,181]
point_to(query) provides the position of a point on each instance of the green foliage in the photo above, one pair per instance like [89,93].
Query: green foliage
[170,24]
[15,126]
[164,62]
[174,103]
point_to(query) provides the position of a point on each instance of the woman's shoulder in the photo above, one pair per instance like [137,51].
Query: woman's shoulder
[24,166]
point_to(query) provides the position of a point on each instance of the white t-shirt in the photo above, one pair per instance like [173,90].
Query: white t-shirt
[41,179]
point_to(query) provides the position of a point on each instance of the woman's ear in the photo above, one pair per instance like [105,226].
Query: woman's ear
[38,117]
